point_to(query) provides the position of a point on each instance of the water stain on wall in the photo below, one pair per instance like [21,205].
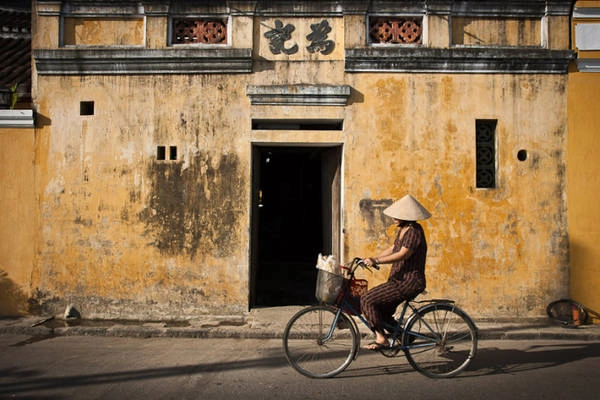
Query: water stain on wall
[193,211]
[372,213]
[12,297]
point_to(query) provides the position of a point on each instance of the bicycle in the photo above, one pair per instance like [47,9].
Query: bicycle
[320,341]
[570,313]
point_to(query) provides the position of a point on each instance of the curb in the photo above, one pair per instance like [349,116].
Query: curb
[265,330]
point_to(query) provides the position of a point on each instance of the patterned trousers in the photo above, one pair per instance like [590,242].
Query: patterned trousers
[379,304]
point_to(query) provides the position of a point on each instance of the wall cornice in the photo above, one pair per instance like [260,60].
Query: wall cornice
[458,60]
[523,8]
[142,61]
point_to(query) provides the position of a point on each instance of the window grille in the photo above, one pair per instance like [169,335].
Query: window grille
[396,30]
[199,30]
[485,144]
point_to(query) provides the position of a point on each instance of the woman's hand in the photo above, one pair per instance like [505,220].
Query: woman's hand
[369,262]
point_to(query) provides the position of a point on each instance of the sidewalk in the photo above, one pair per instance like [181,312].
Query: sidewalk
[265,323]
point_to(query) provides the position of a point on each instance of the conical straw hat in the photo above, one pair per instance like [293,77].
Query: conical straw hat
[407,209]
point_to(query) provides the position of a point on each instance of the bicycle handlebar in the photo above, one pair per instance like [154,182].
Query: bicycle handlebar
[361,262]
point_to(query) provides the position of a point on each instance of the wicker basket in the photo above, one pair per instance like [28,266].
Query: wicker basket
[357,288]
[328,287]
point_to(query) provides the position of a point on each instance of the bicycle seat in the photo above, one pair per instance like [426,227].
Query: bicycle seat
[416,295]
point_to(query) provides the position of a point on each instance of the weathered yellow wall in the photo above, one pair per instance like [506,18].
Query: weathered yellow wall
[493,32]
[17,219]
[501,251]
[153,237]
[124,235]
[104,31]
[583,177]
[498,252]
[584,187]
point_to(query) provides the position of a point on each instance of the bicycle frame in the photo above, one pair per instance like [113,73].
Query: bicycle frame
[344,305]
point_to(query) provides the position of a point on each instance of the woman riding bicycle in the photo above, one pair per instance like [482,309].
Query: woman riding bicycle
[407,275]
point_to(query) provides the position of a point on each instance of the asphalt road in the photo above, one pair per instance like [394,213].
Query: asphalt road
[83,367]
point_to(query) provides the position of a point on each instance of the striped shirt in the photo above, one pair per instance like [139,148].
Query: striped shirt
[412,268]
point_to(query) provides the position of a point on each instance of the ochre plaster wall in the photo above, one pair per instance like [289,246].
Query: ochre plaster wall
[498,252]
[582,169]
[584,187]
[18,218]
[492,32]
[118,224]
[122,234]
[104,31]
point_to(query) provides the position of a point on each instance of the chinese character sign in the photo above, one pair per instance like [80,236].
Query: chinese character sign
[278,36]
[318,38]
[284,38]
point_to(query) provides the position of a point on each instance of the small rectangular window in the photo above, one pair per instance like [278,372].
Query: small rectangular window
[485,153]
[173,153]
[161,153]
[86,108]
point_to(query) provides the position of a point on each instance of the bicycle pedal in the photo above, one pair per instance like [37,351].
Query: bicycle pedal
[343,325]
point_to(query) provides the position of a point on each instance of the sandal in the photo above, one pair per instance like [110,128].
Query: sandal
[376,346]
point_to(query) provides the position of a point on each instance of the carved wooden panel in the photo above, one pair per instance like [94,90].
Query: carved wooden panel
[195,30]
[396,30]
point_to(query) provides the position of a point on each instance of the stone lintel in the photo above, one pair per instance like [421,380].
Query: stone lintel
[300,95]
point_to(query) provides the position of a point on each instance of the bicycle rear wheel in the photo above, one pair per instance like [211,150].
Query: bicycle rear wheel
[316,348]
[444,343]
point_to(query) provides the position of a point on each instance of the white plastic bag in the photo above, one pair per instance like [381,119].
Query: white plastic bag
[329,279]
[328,263]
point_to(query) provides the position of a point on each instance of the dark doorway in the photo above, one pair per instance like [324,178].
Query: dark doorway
[295,211]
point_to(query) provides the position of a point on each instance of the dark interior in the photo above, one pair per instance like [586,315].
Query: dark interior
[289,232]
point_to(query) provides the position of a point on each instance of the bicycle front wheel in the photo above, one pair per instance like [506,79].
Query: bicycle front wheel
[315,347]
[444,340]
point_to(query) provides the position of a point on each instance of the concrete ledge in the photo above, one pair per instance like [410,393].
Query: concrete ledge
[588,64]
[16,119]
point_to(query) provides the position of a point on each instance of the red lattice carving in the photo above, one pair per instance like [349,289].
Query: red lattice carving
[209,31]
[396,30]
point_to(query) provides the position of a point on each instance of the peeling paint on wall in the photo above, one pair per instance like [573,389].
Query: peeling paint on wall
[372,213]
[193,210]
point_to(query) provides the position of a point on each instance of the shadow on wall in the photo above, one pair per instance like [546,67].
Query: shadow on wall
[13,301]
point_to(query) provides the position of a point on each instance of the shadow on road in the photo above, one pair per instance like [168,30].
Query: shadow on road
[489,361]
[493,360]
[17,380]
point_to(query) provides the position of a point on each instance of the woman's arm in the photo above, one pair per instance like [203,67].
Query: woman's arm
[403,254]
[389,256]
